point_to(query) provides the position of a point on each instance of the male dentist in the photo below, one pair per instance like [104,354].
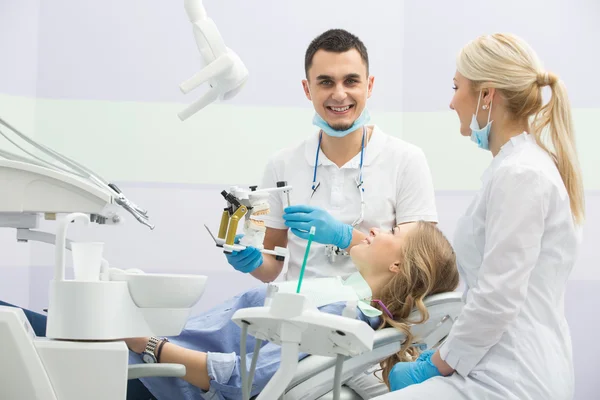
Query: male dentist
[348,176]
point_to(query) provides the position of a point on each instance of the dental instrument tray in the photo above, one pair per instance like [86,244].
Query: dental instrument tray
[43,181]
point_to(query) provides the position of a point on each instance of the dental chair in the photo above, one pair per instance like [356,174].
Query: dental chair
[314,377]
[36,368]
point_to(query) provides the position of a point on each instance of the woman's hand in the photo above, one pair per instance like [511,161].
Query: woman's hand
[405,374]
[441,365]
[137,345]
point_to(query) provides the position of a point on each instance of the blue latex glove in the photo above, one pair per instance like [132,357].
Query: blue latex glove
[404,374]
[246,260]
[301,218]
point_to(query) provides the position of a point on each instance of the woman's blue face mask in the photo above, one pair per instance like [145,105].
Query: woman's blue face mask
[481,136]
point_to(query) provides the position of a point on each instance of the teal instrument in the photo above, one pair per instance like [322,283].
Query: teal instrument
[311,235]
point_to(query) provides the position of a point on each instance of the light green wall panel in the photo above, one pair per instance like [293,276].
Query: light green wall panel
[457,164]
[587,135]
[20,113]
[147,142]
[225,144]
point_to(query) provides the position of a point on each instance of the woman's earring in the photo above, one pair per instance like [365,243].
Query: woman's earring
[485,106]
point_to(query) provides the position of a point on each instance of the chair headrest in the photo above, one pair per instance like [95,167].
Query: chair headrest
[438,305]
[446,297]
[448,303]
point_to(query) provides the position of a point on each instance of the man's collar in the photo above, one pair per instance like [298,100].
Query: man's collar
[372,149]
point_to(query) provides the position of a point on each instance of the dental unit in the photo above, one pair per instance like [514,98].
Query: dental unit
[89,314]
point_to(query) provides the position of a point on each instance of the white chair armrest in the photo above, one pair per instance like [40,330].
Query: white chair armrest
[153,370]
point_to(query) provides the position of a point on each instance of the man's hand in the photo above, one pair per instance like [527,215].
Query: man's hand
[301,218]
[246,260]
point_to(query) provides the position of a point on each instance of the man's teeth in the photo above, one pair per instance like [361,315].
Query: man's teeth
[340,109]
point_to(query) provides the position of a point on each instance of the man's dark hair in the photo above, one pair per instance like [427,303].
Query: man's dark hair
[338,41]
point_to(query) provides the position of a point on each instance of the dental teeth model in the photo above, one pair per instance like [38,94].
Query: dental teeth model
[254,226]
[252,205]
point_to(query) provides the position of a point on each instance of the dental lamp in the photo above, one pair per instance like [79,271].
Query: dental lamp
[225,72]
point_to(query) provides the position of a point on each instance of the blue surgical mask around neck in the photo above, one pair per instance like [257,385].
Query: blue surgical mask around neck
[361,121]
[481,136]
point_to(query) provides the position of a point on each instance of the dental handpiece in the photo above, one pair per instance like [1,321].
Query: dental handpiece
[137,215]
[141,219]
[124,199]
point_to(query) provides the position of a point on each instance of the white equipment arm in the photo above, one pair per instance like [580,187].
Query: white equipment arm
[52,183]
[224,71]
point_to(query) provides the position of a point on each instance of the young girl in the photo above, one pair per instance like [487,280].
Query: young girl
[400,268]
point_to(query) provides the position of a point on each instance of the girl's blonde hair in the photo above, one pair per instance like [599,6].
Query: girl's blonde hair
[508,64]
[428,267]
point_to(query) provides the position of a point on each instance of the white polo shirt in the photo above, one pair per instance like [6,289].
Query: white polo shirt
[397,185]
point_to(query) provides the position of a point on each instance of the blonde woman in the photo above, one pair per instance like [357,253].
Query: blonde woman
[518,241]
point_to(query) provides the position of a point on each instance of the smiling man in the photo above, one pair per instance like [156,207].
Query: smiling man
[347,177]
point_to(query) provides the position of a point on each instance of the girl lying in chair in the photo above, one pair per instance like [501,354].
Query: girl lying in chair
[399,268]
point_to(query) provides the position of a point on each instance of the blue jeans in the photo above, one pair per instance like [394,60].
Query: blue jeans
[135,388]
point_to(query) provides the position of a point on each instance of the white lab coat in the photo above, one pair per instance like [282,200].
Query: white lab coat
[397,183]
[516,247]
